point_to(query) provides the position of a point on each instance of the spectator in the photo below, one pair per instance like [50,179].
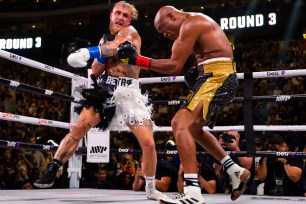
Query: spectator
[9,168]
[124,181]
[24,159]
[22,175]
[102,181]
[256,186]
[26,185]
[127,165]
[165,179]
[280,175]
[172,158]
[39,157]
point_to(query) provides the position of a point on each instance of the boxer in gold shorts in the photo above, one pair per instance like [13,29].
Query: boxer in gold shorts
[199,35]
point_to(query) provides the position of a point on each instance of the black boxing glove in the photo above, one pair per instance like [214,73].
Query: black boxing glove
[95,83]
[191,77]
[127,53]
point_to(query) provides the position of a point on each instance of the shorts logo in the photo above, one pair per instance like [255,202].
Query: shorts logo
[118,81]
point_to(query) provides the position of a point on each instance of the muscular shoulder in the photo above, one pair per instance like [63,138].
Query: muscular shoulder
[198,21]
[129,33]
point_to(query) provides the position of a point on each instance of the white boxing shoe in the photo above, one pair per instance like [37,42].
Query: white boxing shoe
[239,182]
[192,195]
[154,194]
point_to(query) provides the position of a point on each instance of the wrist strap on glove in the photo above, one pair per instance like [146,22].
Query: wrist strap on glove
[102,60]
[94,52]
[143,61]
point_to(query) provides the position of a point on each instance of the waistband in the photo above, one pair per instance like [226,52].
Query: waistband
[216,65]
[215,60]
[119,81]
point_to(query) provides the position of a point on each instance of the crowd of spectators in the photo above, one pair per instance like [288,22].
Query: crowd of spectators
[19,167]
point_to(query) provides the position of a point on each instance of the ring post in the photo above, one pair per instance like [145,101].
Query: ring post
[75,162]
[247,110]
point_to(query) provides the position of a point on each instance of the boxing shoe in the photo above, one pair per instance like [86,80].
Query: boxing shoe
[239,182]
[46,181]
[154,194]
[192,195]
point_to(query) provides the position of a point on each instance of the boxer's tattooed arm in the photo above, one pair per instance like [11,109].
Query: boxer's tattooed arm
[133,71]
[109,49]
[125,34]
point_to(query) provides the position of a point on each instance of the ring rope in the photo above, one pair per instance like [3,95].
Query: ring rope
[35,121]
[64,125]
[83,150]
[36,90]
[49,93]
[41,66]
[166,79]
[277,98]
[254,75]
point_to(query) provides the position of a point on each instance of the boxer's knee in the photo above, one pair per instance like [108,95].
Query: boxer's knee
[178,123]
[148,144]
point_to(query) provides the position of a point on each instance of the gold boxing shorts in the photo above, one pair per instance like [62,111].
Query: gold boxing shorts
[216,86]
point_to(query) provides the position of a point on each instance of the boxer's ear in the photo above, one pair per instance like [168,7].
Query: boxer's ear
[171,16]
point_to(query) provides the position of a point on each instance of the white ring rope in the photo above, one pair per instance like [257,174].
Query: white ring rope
[57,124]
[255,75]
[40,66]
[151,80]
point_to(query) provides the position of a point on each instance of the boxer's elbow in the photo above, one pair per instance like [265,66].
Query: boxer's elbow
[175,68]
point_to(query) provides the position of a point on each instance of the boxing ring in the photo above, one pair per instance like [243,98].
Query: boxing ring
[80,195]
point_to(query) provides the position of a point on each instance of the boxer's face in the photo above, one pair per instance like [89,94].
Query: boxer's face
[120,17]
[167,27]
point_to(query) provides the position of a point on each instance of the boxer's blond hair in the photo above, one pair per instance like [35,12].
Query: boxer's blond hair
[133,10]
